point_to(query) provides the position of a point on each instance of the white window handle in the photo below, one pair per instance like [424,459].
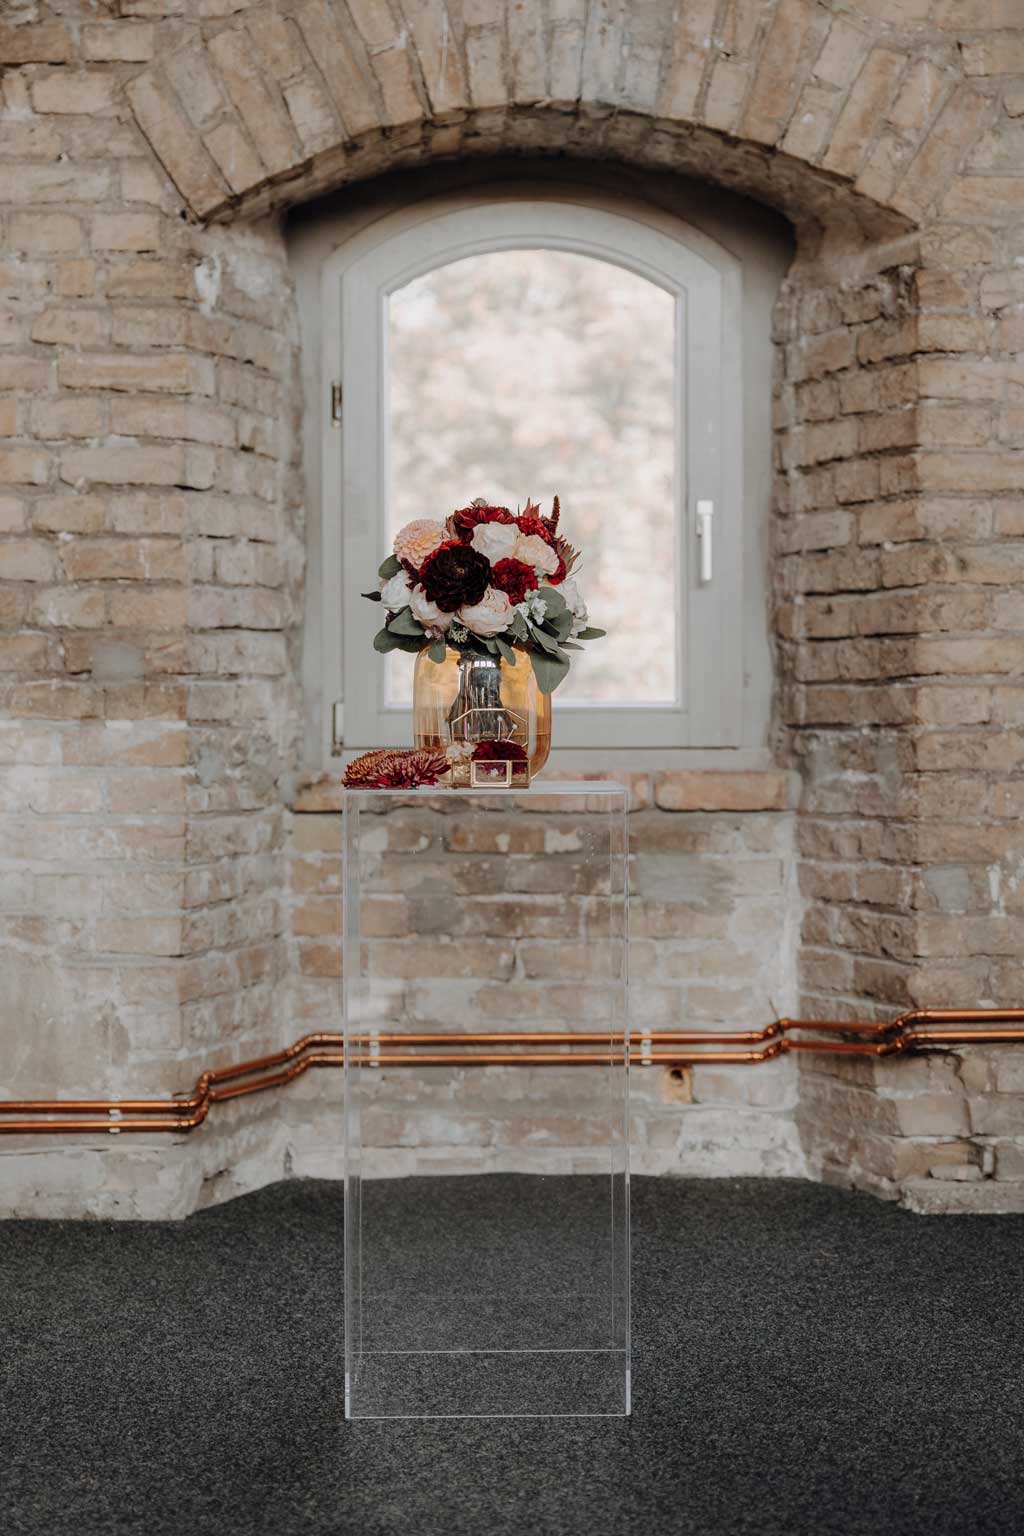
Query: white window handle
[705,512]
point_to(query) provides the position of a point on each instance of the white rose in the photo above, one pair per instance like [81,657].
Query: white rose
[532,550]
[495,540]
[394,593]
[490,615]
[427,613]
[578,608]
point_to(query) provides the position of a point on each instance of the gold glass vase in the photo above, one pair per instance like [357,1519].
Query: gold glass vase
[481,698]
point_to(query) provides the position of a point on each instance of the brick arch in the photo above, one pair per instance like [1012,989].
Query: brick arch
[820,115]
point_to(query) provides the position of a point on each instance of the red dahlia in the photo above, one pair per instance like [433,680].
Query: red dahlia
[455,576]
[462,523]
[513,577]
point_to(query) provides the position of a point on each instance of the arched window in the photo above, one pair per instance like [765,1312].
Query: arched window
[510,345]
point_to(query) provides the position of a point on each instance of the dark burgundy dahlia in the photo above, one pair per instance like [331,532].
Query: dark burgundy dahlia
[455,576]
[515,578]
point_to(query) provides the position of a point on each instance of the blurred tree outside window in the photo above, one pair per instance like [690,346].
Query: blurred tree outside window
[526,373]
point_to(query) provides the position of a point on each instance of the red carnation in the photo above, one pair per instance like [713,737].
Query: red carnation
[530,525]
[454,576]
[513,577]
[462,523]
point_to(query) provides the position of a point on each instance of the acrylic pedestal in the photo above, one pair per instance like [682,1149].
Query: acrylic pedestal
[486,1204]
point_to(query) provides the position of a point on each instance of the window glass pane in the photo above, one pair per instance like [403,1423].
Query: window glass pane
[524,373]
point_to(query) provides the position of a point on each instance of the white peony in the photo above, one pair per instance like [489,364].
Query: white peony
[532,550]
[574,598]
[497,541]
[395,592]
[427,613]
[491,615]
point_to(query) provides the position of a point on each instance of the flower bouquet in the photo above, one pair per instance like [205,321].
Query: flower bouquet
[470,597]
[486,582]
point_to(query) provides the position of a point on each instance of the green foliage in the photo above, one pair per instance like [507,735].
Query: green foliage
[548,643]
[403,623]
[560,625]
[386,640]
[554,602]
[549,670]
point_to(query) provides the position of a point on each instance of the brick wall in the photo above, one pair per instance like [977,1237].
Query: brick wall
[711,941]
[151,516]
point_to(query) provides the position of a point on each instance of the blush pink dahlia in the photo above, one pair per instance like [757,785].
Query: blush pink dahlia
[418,539]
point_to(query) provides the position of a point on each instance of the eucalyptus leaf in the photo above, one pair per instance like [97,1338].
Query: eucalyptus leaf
[386,640]
[389,567]
[590,633]
[548,670]
[570,645]
[559,624]
[553,600]
[373,596]
[505,651]
[403,623]
[546,642]
[437,651]
[519,627]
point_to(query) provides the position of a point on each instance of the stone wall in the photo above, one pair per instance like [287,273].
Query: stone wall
[151,515]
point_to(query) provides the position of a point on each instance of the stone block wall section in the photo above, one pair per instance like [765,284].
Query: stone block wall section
[151,509]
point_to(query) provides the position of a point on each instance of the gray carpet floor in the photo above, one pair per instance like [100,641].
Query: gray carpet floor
[807,1361]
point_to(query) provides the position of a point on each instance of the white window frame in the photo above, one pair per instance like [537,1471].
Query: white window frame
[706,283]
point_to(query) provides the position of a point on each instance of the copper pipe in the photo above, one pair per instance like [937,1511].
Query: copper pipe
[913,1029]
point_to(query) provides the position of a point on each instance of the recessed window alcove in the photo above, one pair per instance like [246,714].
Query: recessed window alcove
[515,331]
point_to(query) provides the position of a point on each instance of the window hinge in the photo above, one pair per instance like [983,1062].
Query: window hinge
[336,404]
[337,728]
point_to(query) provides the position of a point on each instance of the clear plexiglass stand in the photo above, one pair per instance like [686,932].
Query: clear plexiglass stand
[486,1200]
